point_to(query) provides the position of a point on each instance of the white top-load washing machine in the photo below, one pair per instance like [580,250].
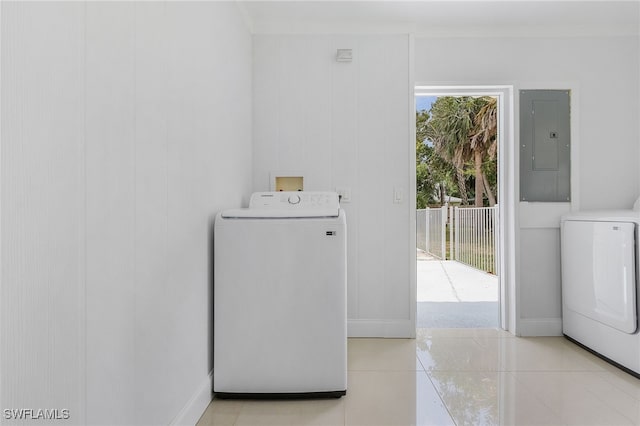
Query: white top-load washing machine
[280,326]
[600,296]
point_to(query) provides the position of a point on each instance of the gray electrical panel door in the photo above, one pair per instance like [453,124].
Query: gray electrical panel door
[545,142]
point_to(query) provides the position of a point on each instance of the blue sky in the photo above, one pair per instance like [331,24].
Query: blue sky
[424,102]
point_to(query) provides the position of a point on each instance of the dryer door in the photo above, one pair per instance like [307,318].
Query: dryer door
[599,272]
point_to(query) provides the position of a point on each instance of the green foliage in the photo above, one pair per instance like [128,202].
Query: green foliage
[490,169]
[449,139]
[433,174]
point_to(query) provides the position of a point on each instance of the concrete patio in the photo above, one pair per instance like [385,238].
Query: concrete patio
[454,295]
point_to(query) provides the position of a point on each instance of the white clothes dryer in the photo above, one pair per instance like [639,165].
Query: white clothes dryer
[600,296]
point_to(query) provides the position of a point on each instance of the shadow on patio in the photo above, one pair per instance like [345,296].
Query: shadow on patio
[454,295]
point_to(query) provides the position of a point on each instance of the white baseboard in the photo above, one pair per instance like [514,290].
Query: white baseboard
[381,328]
[192,411]
[539,327]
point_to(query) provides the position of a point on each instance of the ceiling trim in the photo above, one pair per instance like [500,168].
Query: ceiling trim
[430,31]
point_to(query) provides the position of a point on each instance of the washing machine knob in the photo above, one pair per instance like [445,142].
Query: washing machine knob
[294,199]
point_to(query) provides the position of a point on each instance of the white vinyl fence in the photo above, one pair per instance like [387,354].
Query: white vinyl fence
[475,237]
[472,234]
[421,229]
[431,228]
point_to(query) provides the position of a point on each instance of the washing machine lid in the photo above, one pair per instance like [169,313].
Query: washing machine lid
[288,204]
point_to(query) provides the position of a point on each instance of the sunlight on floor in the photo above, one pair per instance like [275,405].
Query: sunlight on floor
[458,376]
[454,295]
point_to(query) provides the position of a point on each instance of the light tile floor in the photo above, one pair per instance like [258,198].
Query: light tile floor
[462,377]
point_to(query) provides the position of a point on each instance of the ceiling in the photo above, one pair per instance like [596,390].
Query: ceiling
[613,17]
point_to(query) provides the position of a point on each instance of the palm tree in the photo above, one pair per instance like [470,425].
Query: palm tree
[449,128]
[463,130]
[434,176]
[484,142]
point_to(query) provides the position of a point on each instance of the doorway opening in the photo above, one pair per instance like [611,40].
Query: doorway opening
[460,137]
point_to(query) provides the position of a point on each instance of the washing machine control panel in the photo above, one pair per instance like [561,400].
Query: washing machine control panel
[294,199]
[299,200]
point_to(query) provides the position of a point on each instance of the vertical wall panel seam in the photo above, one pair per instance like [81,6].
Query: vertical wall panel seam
[48,268]
[134,204]
[278,113]
[83,230]
[356,133]
[1,195]
[387,215]
[167,65]
[167,77]
[11,254]
[330,93]
[306,66]
[410,179]
[20,156]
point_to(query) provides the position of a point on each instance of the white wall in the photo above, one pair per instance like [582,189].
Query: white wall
[303,99]
[346,125]
[603,73]
[41,321]
[125,128]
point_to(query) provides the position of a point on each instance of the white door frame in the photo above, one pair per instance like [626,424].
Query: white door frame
[506,186]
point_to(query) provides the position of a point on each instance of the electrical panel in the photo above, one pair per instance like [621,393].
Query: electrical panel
[545,146]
